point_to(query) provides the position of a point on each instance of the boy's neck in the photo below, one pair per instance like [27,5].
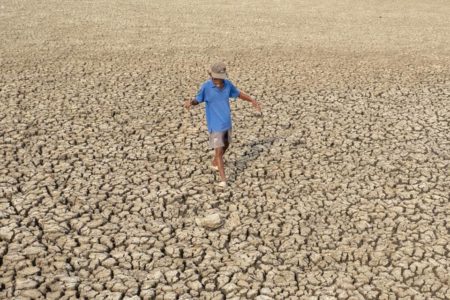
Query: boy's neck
[218,83]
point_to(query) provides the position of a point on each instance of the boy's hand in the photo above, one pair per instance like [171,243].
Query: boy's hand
[256,105]
[188,103]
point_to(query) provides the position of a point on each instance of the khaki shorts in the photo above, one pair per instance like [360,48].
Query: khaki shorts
[219,139]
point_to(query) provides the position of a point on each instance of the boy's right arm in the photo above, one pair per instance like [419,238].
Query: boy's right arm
[188,103]
[196,100]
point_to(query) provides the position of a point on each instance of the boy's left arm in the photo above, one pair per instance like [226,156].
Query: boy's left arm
[248,98]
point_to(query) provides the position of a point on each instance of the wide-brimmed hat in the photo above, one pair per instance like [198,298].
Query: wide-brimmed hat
[219,71]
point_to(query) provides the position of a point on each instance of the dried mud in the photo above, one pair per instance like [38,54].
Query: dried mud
[339,190]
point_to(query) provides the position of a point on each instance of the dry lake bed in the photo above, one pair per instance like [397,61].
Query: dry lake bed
[338,190]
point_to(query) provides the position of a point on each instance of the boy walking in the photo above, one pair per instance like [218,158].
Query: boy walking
[216,94]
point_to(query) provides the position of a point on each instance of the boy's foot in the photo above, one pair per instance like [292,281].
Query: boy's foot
[222,184]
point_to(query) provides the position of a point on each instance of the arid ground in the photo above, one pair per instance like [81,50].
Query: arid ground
[338,190]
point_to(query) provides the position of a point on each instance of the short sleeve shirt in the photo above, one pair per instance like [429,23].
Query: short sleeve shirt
[217,104]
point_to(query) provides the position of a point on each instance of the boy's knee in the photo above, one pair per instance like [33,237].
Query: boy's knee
[219,151]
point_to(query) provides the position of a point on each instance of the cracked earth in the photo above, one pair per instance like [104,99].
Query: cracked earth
[339,190]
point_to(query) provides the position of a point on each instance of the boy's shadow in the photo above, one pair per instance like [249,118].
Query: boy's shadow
[251,152]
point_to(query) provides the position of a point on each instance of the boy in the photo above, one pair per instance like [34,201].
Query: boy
[216,93]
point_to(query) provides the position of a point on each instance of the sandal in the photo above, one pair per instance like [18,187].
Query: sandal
[222,184]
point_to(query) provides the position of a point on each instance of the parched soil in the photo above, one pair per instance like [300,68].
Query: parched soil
[339,190]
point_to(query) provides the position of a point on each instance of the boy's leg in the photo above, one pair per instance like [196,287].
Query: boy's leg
[226,138]
[225,147]
[219,160]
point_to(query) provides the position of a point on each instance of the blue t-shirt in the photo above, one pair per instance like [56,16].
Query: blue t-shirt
[217,104]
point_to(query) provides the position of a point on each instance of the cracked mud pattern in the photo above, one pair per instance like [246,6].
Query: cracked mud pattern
[339,190]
